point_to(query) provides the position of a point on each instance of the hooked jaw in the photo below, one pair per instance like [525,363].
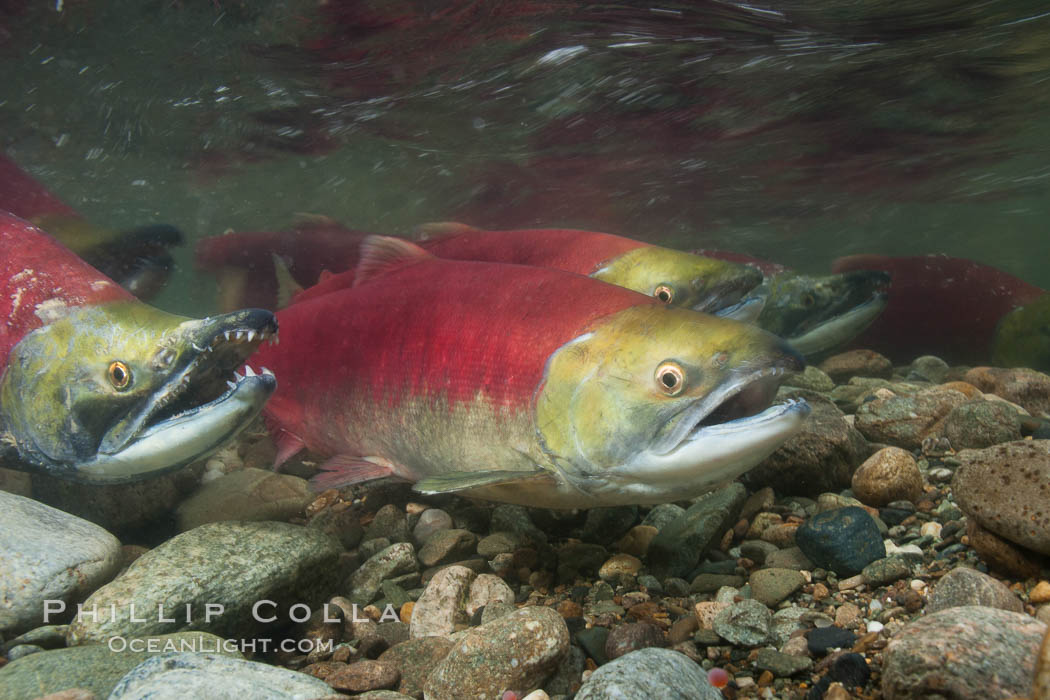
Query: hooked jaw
[190,414]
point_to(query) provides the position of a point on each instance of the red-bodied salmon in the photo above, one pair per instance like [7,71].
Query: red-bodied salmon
[98,387]
[522,384]
[138,259]
[940,305]
[674,277]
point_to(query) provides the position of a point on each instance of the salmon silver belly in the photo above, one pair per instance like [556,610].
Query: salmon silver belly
[97,387]
[522,384]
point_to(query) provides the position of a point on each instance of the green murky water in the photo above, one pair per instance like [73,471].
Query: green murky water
[797,132]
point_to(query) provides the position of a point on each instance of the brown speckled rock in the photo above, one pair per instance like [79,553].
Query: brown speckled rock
[964,653]
[1006,489]
[443,603]
[515,652]
[632,637]
[1002,556]
[415,659]
[1024,387]
[964,586]
[857,363]
[890,474]
[365,675]
[979,423]
[821,457]
[904,421]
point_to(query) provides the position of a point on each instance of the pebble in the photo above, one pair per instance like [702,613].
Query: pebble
[891,474]
[821,640]
[232,564]
[498,543]
[1006,489]
[447,546]
[181,675]
[637,540]
[430,521]
[966,586]
[390,561]
[1000,554]
[606,525]
[979,423]
[516,652]
[441,607]
[887,570]
[619,566]
[93,666]
[655,673]
[771,586]
[966,653]
[812,378]
[680,544]
[46,554]
[780,664]
[849,669]
[486,590]
[844,540]
[905,421]
[632,637]
[389,522]
[747,623]
[820,457]
[364,675]
[415,659]
[1024,387]
[857,363]
[928,368]
[246,494]
[1040,593]
[662,515]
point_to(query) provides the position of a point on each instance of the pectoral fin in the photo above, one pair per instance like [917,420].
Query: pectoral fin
[453,482]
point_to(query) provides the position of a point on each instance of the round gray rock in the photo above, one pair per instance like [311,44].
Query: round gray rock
[964,653]
[183,675]
[747,622]
[48,555]
[231,564]
[964,586]
[650,673]
[515,652]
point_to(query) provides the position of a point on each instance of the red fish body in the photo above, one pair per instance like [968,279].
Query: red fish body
[519,384]
[244,260]
[939,305]
[39,278]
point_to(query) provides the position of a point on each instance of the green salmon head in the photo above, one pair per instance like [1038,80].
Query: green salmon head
[681,279]
[123,391]
[819,314]
[658,404]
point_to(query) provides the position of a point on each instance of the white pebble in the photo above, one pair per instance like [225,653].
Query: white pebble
[874,606]
[918,585]
[875,626]
[537,695]
[931,528]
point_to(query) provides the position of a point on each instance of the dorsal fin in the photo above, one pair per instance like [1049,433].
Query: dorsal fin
[381,254]
[440,229]
[287,287]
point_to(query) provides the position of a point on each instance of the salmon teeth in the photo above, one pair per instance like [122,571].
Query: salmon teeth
[248,371]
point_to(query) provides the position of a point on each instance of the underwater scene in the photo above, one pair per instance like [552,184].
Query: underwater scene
[524,349]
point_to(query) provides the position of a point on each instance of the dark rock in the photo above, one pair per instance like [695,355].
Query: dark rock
[593,642]
[679,546]
[821,640]
[851,670]
[821,457]
[606,525]
[632,637]
[781,665]
[887,570]
[843,540]
[447,546]
[389,522]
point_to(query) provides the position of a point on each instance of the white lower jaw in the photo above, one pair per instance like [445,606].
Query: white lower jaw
[710,457]
[839,330]
[183,439]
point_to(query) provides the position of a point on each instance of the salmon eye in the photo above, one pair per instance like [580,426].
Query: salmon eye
[119,375]
[670,378]
[664,293]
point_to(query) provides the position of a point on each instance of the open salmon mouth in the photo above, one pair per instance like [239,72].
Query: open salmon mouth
[200,360]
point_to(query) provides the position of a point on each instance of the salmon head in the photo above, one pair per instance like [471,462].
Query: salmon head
[679,278]
[122,391]
[656,404]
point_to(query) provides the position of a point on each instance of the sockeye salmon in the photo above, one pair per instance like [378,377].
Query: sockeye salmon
[522,384]
[98,387]
[674,277]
